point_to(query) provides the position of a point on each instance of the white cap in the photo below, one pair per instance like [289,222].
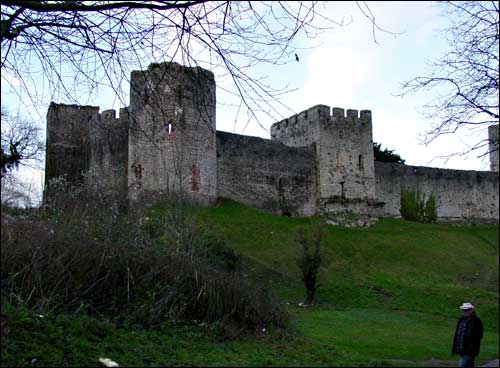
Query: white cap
[466,306]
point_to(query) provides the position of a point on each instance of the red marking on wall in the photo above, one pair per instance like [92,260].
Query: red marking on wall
[195,179]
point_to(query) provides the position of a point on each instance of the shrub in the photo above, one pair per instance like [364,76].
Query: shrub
[140,270]
[309,262]
[219,254]
[411,205]
[430,210]
[415,207]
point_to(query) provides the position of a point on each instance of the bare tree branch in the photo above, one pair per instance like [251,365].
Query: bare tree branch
[69,49]
[468,73]
[20,143]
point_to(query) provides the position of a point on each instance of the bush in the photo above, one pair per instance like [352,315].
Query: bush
[411,205]
[430,210]
[309,262]
[141,270]
[415,207]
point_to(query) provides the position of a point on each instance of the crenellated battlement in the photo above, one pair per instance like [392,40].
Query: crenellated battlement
[305,127]
[108,115]
[323,112]
[350,115]
[319,161]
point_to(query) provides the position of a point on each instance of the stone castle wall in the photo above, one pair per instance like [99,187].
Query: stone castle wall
[108,164]
[461,196]
[267,174]
[344,152]
[318,161]
[493,146]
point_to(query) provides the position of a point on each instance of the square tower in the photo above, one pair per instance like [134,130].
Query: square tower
[68,142]
[344,155]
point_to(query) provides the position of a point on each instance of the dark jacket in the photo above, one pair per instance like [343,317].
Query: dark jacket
[472,338]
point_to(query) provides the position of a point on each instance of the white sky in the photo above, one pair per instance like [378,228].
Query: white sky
[348,69]
[351,71]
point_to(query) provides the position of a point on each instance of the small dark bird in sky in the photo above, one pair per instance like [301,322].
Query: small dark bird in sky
[296,57]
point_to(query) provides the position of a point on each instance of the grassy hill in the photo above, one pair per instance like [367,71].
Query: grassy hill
[389,295]
[391,291]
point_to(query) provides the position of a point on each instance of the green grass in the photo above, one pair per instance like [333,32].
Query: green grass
[388,293]
[398,285]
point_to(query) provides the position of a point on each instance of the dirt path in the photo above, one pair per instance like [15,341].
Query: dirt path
[493,363]
[443,363]
[428,363]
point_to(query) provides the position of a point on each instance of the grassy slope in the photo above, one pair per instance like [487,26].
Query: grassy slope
[391,291]
[388,292]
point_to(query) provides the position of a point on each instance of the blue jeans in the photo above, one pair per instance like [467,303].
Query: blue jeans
[466,361]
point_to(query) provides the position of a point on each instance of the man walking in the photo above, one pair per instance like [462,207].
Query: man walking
[468,335]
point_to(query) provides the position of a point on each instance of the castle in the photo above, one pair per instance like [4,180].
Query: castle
[319,161]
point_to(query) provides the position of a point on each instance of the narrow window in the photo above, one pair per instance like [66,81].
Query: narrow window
[360,162]
[169,128]
[179,95]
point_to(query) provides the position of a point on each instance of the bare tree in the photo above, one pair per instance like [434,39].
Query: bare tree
[79,46]
[19,192]
[21,143]
[465,77]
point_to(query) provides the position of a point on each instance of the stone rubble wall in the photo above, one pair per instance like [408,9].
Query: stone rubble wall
[109,152]
[319,161]
[461,196]
[493,146]
[267,174]
[346,181]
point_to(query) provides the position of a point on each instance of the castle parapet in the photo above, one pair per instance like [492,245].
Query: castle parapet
[351,116]
[302,129]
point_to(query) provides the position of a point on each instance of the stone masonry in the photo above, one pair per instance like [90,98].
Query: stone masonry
[493,146]
[319,161]
[172,132]
[344,152]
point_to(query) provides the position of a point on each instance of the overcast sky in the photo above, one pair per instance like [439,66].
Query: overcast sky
[346,68]
[350,70]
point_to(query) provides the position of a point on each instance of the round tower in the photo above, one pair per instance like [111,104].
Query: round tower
[172,144]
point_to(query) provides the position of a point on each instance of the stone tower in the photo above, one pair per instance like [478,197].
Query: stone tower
[108,163]
[344,151]
[86,147]
[493,146]
[68,142]
[172,141]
